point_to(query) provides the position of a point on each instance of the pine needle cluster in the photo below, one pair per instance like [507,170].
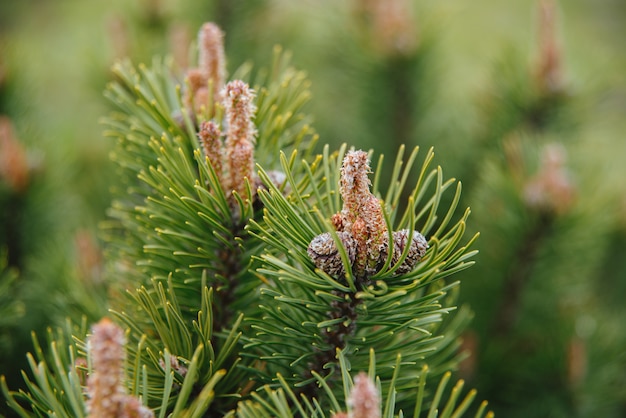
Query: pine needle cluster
[220,307]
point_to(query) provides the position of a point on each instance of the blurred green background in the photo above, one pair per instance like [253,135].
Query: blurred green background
[466,68]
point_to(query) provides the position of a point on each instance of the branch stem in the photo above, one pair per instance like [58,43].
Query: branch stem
[334,337]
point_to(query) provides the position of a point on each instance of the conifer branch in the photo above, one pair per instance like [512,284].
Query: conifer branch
[323,306]
[224,288]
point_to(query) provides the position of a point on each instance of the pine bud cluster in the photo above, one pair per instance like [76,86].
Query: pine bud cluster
[228,143]
[232,158]
[362,229]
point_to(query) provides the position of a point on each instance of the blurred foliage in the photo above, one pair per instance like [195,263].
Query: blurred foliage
[55,59]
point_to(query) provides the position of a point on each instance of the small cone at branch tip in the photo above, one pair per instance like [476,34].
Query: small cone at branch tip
[362,229]
[325,254]
[417,248]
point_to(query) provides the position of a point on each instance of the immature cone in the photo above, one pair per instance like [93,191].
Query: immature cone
[324,253]
[239,144]
[107,397]
[417,248]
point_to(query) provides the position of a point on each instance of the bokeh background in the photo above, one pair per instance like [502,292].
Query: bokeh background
[524,102]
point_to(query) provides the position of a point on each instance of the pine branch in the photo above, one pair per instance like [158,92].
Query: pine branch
[347,312]
[226,286]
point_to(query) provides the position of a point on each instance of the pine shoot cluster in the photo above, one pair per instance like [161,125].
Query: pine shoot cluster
[259,276]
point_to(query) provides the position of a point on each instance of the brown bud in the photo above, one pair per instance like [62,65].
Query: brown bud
[89,257]
[196,82]
[577,361]
[362,262]
[207,80]
[362,213]
[372,216]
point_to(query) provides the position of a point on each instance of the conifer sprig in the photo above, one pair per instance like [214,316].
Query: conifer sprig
[222,295]
[58,375]
[388,312]
[175,191]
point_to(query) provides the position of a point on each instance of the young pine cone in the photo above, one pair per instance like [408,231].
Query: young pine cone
[325,254]
[417,249]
